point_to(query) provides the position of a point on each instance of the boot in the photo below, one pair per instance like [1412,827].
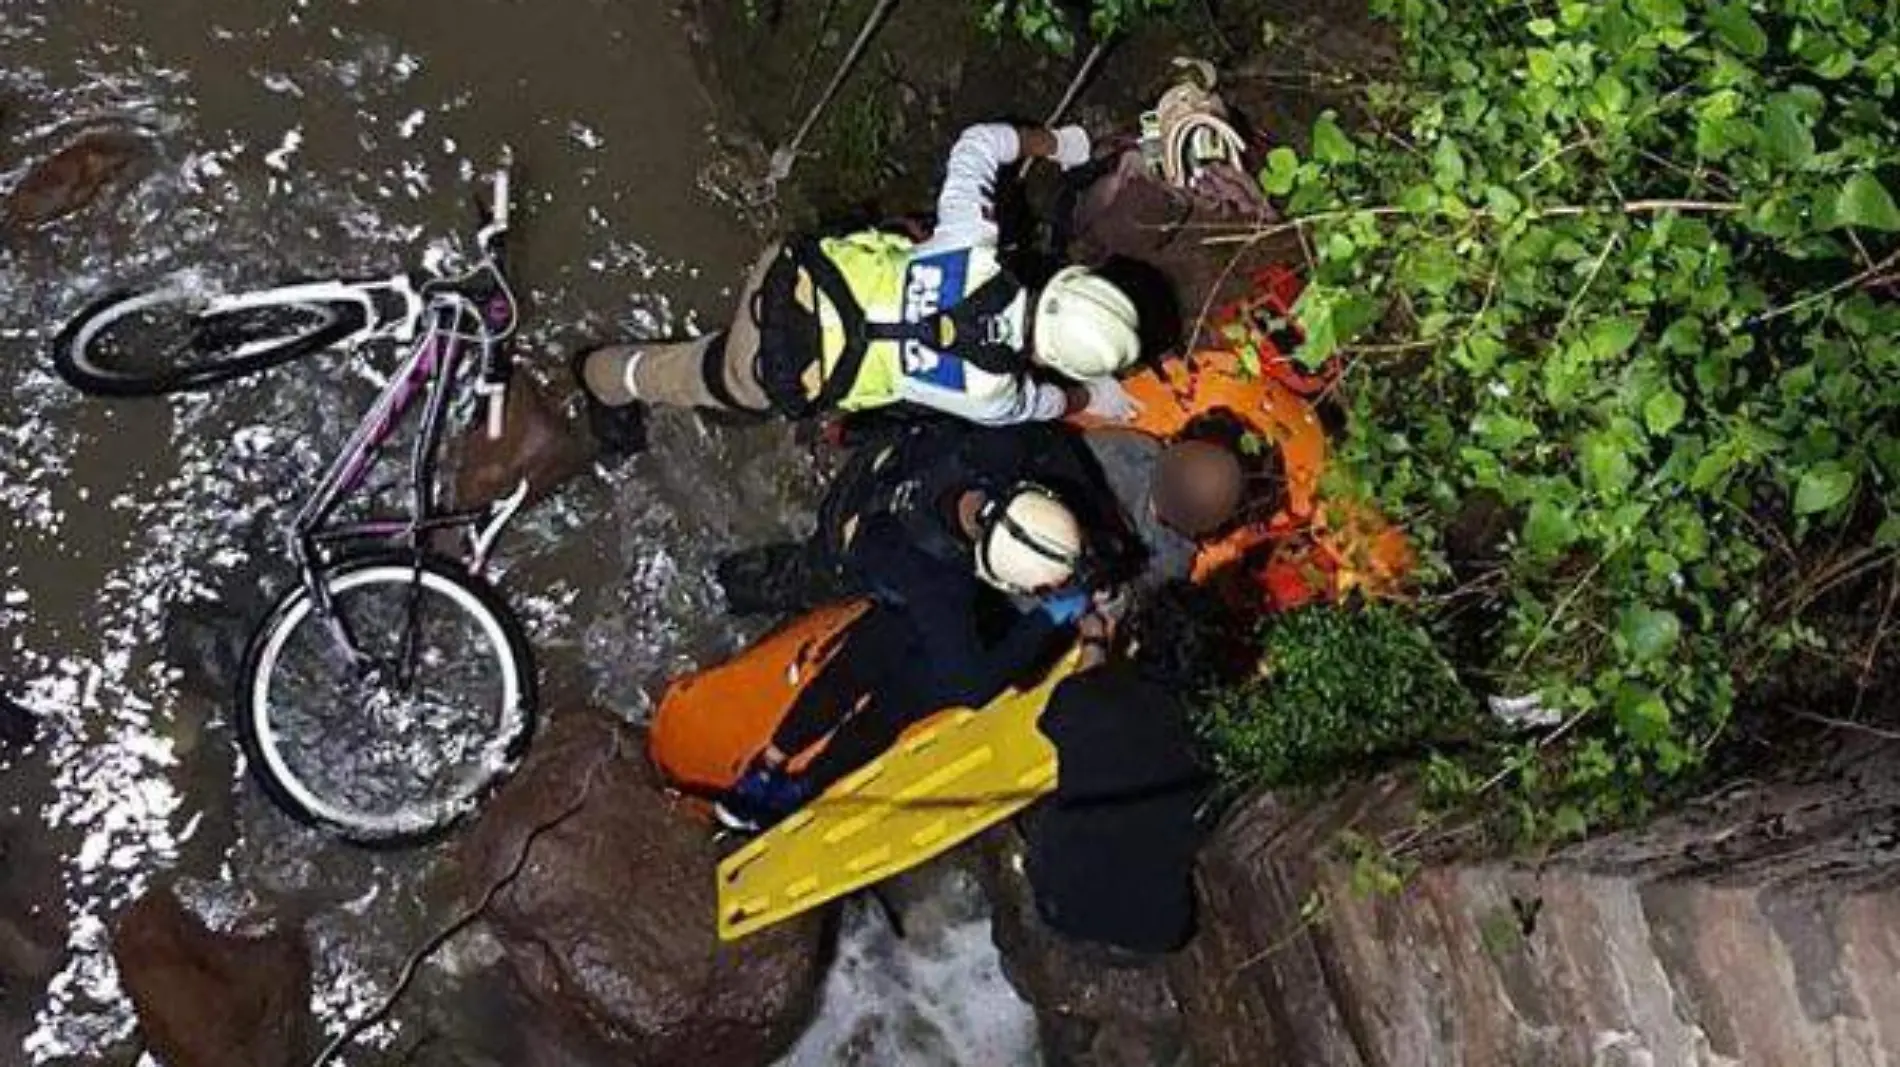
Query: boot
[619,430]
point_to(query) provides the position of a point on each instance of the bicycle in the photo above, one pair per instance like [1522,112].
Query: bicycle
[397,630]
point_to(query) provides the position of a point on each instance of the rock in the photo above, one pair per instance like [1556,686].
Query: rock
[208,999]
[609,927]
[32,937]
[69,180]
[1775,956]
[1093,1011]
[18,726]
[537,443]
[206,641]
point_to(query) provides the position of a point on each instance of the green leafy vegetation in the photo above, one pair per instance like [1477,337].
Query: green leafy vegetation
[1050,24]
[1618,264]
[1336,689]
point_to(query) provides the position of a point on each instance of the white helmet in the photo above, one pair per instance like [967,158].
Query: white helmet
[1084,326]
[1027,540]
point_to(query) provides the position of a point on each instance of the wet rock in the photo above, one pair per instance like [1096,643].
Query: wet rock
[209,999]
[609,927]
[1492,964]
[1093,1010]
[205,641]
[17,725]
[74,176]
[537,443]
[31,935]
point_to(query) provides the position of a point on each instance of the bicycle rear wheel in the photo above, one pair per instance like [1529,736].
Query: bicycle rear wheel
[172,339]
[400,752]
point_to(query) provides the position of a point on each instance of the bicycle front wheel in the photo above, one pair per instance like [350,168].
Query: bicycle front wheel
[394,743]
[173,339]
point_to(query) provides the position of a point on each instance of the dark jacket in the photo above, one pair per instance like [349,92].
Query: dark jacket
[1111,853]
[948,661]
[914,473]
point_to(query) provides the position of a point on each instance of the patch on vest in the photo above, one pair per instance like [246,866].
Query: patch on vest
[932,283]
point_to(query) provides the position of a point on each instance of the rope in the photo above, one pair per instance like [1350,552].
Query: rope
[468,916]
[1074,90]
[1075,84]
[787,153]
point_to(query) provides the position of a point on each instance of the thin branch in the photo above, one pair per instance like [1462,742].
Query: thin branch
[1306,921]
[1881,632]
[1563,606]
[1207,305]
[1554,156]
[1595,269]
[1871,272]
[1629,207]
[1390,349]
[1845,724]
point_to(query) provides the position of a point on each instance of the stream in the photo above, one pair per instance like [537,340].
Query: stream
[256,142]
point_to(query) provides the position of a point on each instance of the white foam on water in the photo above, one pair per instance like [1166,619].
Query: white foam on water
[935,999]
[278,159]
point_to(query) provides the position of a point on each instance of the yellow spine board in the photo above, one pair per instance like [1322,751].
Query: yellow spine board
[960,773]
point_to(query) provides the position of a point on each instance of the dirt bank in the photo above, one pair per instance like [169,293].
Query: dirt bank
[931,70]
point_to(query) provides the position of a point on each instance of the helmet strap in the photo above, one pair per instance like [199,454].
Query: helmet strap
[994,515]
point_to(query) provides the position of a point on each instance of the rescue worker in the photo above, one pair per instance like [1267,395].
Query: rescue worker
[1172,494]
[871,319]
[933,524]
[1129,785]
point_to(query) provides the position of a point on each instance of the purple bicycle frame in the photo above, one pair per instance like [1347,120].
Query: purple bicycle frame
[431,365]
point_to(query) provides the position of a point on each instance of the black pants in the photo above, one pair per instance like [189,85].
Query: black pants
[860,700]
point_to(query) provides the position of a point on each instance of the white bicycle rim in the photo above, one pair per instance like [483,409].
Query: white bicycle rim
[409,821]
[310,297]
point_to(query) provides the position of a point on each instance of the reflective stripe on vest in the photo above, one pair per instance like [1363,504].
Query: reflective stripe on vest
[896,290]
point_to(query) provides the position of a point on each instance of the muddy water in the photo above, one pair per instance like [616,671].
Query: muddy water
[310,138]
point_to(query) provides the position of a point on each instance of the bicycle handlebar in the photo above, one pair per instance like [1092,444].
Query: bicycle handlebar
[497,357]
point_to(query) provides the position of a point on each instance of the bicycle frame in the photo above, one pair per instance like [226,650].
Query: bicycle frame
[430,370]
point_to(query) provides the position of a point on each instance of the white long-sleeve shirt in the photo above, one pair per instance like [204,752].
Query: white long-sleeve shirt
[961,255]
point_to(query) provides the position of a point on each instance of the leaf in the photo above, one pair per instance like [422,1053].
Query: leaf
[1839,64]
[1822,486]
[1739,30]
[1642,714]
[1610,338]
[1281,171]
[1503,203]
[1789,139]
[1612,93]
[1544,28]
[1662,13]
[1650,633]
[1663,411]
[1568,821]
[1448,165]
[1712,468]
[1864,202]
[1330,143]
[1542,64]
[1607,464]
[1419,199]
[1548,529]
[1503,432]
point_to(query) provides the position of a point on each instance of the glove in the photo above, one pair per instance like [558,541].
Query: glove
[1066,605]
[1111,605]
[1072,146]
[1108,400]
